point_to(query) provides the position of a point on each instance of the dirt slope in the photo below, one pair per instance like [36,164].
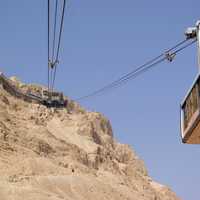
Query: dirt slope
[67,155]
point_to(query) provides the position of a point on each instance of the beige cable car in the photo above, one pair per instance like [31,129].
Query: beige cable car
[190,107]
[190,114]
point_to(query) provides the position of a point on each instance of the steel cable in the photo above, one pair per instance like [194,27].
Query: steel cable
[59,41]
[54,33]
[153,62]
[48,28]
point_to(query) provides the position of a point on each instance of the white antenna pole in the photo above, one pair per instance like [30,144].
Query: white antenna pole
[198,43]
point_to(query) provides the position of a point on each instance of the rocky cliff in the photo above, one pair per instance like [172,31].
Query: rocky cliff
[69,154]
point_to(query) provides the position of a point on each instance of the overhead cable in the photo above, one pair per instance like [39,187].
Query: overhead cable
[54,33]
[59,41]
[55,44]
[48,40]
[139,70]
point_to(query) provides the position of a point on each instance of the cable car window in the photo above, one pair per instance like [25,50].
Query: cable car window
[191,105]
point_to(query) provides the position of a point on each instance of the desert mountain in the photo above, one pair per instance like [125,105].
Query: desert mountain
[66,154]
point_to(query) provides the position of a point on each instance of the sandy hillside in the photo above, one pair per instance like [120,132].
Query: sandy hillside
[69,154]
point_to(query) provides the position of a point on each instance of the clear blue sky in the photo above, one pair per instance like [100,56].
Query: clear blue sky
[102,40]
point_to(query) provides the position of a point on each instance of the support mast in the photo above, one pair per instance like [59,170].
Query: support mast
[198,43]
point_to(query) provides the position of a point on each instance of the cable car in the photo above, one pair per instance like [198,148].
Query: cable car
[190,106]
[190,114]
[53,99]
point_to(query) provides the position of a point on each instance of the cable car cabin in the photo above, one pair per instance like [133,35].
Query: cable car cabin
[53,99]
[190,114]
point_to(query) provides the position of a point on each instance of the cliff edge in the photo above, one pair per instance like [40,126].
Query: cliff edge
[66,154]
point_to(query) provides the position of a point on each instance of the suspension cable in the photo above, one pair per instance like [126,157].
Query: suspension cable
[53,48]
[154,64]
[53,56]
[59,41]
[48,28]
[54,34]
[141,69]
[61,29]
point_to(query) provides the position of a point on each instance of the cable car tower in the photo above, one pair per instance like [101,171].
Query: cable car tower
[190,106]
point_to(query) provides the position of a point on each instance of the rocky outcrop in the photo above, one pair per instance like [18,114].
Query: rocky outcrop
[67,154]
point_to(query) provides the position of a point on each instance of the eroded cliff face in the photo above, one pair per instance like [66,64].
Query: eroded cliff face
[67,154]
